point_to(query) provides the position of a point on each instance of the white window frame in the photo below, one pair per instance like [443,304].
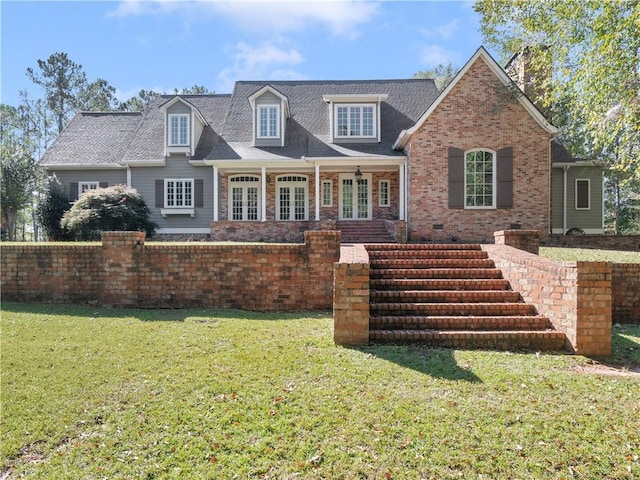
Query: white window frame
[86,186]
[588,180]
[268,108]
[349,107]
[178,117]
[493,180]
[182,204]
[285,181]
[386,203]
[244,181]
[327,200]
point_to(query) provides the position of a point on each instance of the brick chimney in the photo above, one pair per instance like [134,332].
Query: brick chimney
[530,69]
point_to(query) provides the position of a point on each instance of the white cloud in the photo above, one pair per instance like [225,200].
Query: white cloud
[446,31]
[264,62]
[434,55]
[341,17]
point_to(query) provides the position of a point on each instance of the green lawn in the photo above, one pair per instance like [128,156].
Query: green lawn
[589,255]
[93,393]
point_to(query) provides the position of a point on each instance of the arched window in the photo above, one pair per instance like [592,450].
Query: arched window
[244,197]
[480,178]
[292,197]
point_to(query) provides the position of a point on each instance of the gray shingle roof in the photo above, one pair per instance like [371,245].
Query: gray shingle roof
[98,138]
[93,138]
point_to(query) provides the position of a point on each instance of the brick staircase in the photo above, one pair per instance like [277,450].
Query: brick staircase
[450,296]
[364,231]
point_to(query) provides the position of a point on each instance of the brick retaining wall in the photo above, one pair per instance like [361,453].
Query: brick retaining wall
[625,281]
[271,231]
[629,243]
[123,271]
[351,297]
[575,296]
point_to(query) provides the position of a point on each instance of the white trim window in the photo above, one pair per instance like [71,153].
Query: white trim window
[268,121]
[355,120]
[178,129]
[327,193]
[86,186]
[292,196]
[583,194]
[384,193]
[244,197]
[480,179]
[178,192]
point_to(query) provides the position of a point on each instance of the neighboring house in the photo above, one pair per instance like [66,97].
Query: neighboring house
[274,159]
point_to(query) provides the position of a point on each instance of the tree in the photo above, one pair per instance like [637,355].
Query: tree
[595,71]
[49,212]
[19,172]
[62,81]
[117,208]
[139,102]
[97,96]
[442,74]
[195,90]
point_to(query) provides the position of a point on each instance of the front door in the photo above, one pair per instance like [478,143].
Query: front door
[355,197]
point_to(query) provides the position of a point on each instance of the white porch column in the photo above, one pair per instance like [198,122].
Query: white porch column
[317,192]
[215,194]
[264,194]
[128,176]
[402,187]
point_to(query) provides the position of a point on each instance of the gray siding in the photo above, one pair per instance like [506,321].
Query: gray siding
[143,179]
[67,177]
[590,219]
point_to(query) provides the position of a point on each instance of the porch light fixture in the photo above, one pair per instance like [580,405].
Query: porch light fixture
[358,175]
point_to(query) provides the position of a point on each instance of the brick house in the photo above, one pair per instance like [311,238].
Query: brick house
[274,159]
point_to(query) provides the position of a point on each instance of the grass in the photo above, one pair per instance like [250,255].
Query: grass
[589,255]
[153,394]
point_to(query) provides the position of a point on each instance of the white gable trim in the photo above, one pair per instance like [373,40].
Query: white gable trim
[268,88]
[481,53]
[193,108]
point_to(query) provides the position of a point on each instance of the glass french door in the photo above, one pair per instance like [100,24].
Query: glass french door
[355,197]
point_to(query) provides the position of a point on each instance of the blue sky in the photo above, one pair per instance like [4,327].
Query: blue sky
[163,45]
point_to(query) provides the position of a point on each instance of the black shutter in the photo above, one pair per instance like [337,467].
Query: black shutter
[73,191]
[160,193]
[456,177]
[198,193]
[504,167]
[103,184]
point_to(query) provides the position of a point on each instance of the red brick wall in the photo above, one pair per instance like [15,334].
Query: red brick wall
[351,297]
[626,292]
[269,231]
[575,296]
[126,272]
[629,243]
[477,114]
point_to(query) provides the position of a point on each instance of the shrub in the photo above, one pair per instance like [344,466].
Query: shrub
[50,211]
[117,208]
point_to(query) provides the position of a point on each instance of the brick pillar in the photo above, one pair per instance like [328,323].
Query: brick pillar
[594,301]
[120,252]
[527,240]
[351,297]
[323,249]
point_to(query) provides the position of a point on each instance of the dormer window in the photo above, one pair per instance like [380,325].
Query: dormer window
[268,121]
[355,120]
[178,130]
[270,111]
